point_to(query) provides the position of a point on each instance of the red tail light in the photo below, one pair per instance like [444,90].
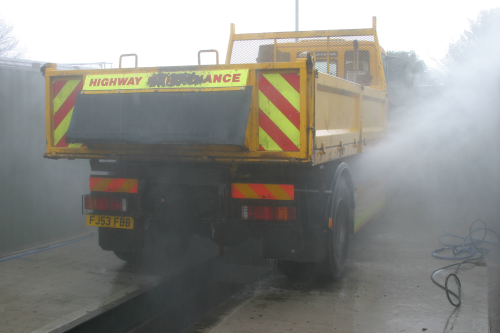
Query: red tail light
[103,203]
[268,213]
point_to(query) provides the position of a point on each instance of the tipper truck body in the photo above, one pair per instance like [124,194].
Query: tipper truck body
[267,145]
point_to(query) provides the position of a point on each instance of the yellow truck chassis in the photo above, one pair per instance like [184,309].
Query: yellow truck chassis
[266,145]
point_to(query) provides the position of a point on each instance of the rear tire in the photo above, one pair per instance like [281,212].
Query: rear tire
[338,237]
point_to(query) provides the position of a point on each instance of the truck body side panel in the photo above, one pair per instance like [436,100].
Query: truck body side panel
[347,116]
[369,200]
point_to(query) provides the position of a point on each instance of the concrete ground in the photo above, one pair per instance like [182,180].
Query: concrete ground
[43,291]
[494,288]
[386,286]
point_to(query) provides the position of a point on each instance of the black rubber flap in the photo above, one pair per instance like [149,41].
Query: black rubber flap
[198,118]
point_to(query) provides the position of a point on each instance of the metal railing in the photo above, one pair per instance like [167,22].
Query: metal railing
[36,65]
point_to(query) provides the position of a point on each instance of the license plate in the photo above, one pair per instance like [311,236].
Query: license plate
[122,222]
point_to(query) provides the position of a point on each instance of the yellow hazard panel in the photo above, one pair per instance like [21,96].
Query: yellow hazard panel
[63,100]
[279,112]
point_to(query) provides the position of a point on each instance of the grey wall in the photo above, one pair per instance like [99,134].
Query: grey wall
[40,199]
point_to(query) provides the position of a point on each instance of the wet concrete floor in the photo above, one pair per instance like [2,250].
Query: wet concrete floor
[47,290]
[386,286]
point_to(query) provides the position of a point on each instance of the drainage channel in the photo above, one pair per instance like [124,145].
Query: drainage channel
[179,301]
[176,302]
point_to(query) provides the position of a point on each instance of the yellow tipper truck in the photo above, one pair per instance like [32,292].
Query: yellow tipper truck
[266,145]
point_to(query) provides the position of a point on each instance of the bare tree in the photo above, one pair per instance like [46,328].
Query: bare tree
[9,44]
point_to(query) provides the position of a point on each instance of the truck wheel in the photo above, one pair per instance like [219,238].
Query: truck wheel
[339,234]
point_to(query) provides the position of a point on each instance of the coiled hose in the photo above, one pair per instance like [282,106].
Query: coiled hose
[470,253]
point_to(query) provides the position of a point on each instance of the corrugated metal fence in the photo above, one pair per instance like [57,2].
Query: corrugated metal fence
[40,199]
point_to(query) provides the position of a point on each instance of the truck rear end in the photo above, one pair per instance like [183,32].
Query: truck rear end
[195,113]
[257,147]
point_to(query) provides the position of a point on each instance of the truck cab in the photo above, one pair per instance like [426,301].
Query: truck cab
[351,59]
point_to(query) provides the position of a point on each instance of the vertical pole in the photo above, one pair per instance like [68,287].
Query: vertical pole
[328,55]
[296,15]
[221,239]
[231,42]
[296,18]
[275,46]
[359,110]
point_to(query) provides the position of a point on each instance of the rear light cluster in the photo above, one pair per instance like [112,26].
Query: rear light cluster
[268,213]
[103,203]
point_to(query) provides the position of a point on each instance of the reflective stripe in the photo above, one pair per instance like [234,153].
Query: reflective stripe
[279,119]
[128,185]
[280,191]
[61,130]
[293,79]
[280,138]
[246,191]
[120,185]
[263,191]
[101,185]
[266,141]
[285,89]
[279,101]
[65,92]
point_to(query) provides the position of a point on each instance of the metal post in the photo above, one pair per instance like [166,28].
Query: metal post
[296,15]
[296,18]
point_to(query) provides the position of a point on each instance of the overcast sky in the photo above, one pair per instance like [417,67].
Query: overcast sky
[171,32]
